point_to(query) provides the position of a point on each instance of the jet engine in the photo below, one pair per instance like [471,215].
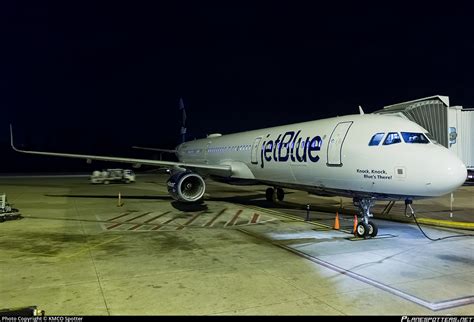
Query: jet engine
[186,186]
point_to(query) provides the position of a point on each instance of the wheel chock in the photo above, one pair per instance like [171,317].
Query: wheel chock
[354,231]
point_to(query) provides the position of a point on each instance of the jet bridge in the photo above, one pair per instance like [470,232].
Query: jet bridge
[450,126]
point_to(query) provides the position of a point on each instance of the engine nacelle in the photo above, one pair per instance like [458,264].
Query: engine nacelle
[186,186]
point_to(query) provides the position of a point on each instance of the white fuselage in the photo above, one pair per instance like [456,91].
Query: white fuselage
[333,157]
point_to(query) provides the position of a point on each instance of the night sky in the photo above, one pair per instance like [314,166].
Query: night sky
[99,78]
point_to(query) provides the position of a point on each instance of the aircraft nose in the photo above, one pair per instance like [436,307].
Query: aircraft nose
[450,175]
[458,173]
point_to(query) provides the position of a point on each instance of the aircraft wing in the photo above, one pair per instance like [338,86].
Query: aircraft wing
[224,170]
[154,149]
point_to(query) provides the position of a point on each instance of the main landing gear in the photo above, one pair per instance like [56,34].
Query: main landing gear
[272,195]
[365,228]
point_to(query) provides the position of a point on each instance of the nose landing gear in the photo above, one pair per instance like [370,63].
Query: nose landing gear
[365,228]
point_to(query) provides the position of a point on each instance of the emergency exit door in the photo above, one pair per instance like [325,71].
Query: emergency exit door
[336,142]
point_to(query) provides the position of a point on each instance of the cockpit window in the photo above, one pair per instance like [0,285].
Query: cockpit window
[392,138]
[411,137]
[375,140]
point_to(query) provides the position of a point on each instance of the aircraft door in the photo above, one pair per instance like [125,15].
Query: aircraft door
[335,144]
[254,156]
[206,152]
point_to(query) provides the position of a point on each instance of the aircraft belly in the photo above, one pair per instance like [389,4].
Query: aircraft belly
[278,172]
[302,173]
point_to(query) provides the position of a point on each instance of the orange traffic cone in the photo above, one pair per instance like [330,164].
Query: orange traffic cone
[355,225]
[336,222]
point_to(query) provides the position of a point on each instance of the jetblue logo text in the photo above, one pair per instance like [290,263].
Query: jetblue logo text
[289,146]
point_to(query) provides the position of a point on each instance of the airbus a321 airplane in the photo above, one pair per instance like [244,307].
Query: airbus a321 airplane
[366,157]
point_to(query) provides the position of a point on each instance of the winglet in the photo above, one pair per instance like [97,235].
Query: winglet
[11,138]
[361,111]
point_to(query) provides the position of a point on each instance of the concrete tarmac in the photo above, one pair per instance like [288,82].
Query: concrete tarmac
[76,251]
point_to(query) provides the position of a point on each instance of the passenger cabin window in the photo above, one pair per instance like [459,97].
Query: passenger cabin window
[375,140]
[410,137]
[392,138]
